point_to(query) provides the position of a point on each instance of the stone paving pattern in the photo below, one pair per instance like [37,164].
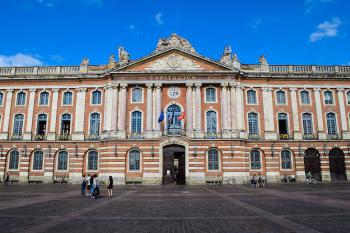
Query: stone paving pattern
[277,208]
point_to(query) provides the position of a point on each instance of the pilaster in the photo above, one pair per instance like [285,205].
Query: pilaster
[319,115]
[5,128]
[122,111]
[295,114]
[189,117]
[344,125]
[270,133]
[79,115]
[52,131]
[149,114]
[28,130]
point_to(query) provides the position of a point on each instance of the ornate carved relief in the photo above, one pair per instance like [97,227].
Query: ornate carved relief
[174,62]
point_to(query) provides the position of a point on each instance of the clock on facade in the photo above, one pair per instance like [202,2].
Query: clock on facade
[174,92]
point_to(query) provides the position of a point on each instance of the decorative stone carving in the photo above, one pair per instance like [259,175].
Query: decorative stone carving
[84,65]
[111,62]
[174,41]
[263,60]
[123,55]
[174,62]
[226,57]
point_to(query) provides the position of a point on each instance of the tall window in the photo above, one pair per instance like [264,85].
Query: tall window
[137,95]
[136,121]
[251,97]
[213,159]
[96,97]
[307,124]
[95,124]
[44,98]
[172,116]
[134,160]
[282,123]
[253,123]
[255,160]
[281,97]
[62,160]
[18,125]
[286,159]
[348,97]
[331,123]
[210,95]
[38,160]
[65,124]
[41,127]
[328,97]
[211,122]
[21,98]
[304,97]
[67,98]
[14,160]
[92,160]
[1,98]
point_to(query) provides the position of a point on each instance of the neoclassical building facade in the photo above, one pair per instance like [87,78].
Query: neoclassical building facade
[175,113]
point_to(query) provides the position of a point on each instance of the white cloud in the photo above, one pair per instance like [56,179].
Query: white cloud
[19,59]
[326,29]
[158,18]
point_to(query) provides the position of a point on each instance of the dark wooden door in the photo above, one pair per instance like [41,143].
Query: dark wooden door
[174,166]
[168,167]
[337,165]
[312,163]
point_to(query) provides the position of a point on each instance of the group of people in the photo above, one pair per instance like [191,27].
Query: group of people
[257,182]
[90,186]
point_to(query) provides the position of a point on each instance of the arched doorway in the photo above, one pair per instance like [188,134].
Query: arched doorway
[312,163]
[337,164]
[174,165]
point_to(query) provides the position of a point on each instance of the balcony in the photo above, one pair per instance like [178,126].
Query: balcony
[15,137]
[255,137]
[285,137]
[310,137]
[334,136]
[63,137]
[212,135]
[92,137]
[174,132]
[39,137]
[135,135]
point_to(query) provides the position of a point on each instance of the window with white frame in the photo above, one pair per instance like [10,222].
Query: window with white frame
[213,159]
[62,160]
[255,160]
[136,95]
[95,124]
[286,159]
[328,97]
[331,123]
[41,124]
[18,125]
[44,98]
[14,160]
[348,97]
[305,97]
[211,122]
[210,95]
[92,160]
[67,98]
[281,97]
[96,97]
[251,97]
[134,160]
[38,158]
[1,98]
[21,98]
[253,127]
[136,122]
[307,124]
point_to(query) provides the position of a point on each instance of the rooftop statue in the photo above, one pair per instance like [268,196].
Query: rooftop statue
[226,57]
[112,63]
[174,41]
[123,56]
[85,62]
[262,60]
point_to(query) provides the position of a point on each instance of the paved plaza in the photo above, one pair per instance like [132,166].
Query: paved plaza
[277,208]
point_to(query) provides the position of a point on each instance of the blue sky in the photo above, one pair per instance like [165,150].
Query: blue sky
[62,32]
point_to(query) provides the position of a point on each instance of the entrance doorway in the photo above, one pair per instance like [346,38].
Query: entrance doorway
[174,165]
[312,163]
[337,164]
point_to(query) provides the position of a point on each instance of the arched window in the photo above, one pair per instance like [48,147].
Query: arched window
[96,97]
[213,159]
[282,123]
[14,160]
[1,98]
[42,122]
[21,98]
[18,125]
[211,122]
[304,97]
[95,124]
[65,124]
[348,97]
[210,95]
[134,160]
[255,160]
[281,97]
[172,117]
[251,97]
[286,159]
[38,160]
[136,95]
[331,123]
[92,160]
[67,98]
[44,98]
[307,124]
[328,97]
[136,122]
[253,123]
[62,160]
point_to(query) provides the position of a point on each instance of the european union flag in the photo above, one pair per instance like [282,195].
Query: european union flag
[161,117]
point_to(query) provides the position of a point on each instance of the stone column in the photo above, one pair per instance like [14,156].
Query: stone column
[28,130]
[224,116]
[189,117]
[295,114]
[52,131]
[240,111]
[158,107]
[344,126]
[108,108]
[228,99]
[319,114]
[5,128]
[149,114]
[122,111]
[270,133]
[114,110]
[79,115]
[198,103]
[233,111]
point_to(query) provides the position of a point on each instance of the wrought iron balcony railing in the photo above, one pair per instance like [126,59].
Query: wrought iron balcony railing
[63,137]
[174,132]
[285,137]
[255,137]
[39,137]
[92,137]
[334,136]
[16,137]
[310,137]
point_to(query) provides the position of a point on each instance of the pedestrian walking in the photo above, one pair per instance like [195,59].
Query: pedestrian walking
[110,186]
[88,185]
[83,186]
[91,186]
[95,186]
[7,179]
